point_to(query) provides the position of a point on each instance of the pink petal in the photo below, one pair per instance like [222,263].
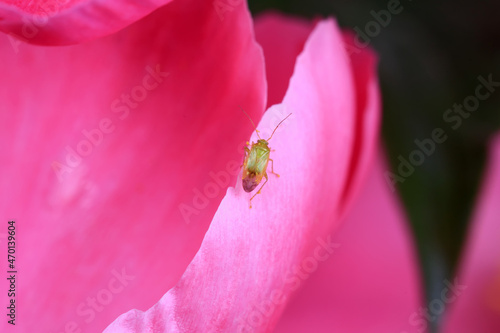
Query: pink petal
[119,210]
[284,44]
[475,300]
[363,63]
[62,22]
[282,39]
[248,260]
[369,284]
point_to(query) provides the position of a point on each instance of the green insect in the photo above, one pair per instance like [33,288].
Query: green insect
[256,160]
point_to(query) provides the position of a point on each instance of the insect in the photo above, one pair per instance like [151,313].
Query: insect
[256,160]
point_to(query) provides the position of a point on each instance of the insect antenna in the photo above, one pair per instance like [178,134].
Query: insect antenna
[256,130]
[278,126]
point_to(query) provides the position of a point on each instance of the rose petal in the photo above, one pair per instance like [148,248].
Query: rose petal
[367,120]
[248,257]
[283,45]
[282,39]
[474,299]
[63,22]
[119,212]
[369,284]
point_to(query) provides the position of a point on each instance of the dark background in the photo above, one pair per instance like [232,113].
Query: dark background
[431,55]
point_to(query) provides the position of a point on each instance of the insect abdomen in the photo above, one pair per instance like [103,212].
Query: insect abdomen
[250,183]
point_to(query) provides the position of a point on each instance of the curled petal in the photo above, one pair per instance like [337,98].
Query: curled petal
[63,22]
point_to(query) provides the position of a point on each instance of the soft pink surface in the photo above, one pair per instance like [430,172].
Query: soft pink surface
[62,22]
[246,268]
[118,210]
[282,39]
[477,309]
[370,282]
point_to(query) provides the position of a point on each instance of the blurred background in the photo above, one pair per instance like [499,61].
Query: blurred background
[433,55]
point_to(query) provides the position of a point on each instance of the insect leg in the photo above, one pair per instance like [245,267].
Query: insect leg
[247,151]
[265,175]
[272,168]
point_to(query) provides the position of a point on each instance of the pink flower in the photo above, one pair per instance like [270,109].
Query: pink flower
[251,261]
[117,153]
